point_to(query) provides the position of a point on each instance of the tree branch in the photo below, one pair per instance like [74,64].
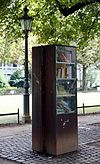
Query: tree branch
[68,11]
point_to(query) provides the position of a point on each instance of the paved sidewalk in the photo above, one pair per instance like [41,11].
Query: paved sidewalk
[4,161]
[7,131]
[16,145]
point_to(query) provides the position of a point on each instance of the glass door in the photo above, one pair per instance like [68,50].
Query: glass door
[65,80]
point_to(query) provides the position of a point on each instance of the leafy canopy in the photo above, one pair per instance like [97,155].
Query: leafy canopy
[54,22]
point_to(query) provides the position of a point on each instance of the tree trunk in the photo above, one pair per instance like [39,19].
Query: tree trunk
[84,79]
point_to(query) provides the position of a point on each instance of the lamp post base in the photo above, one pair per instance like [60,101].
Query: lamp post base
[26,119]
[26,116]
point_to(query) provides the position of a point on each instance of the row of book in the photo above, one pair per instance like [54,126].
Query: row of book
[64,72]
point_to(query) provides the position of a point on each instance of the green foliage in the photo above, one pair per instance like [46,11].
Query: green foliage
[11,52]
[11,90]
[6,90]
[54,22]
[49,21]
[91,75]
[17,79]
[89,53]
[52,26]
[16,75]
[3,80]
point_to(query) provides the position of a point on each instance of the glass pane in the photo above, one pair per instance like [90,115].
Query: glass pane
[29,25]
[64,54]
[22,24]
[64,71]
[65,88]
[65,105]
[26,24]
[65,80]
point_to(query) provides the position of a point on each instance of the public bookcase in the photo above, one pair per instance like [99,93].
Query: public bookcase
[54,99]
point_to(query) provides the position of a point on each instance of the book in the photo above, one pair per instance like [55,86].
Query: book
[61,71]
[69,72]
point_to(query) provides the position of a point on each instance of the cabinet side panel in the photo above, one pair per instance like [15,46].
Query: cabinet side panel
[37,140]
[50,100]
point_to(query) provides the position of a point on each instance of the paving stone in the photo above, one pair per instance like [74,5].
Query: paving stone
[18,147]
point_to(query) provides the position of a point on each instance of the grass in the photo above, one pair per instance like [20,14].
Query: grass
[11,103]
[8,119]
[89,110]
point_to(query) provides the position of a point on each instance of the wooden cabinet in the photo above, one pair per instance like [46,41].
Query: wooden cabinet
[54,99]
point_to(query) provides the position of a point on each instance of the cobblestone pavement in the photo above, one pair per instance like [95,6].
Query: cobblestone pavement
[16,145]
[5,161]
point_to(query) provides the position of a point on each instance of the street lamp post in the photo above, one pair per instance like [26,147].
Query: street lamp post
[26,23]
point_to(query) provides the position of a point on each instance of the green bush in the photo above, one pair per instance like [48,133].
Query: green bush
[7,90]
[16,79]
[3,80]
[18,74]
[11,90]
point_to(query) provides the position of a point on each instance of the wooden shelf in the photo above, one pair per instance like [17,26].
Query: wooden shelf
[65,63]
[67,95]
[66,79]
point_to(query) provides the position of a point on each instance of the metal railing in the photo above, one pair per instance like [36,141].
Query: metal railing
[84,110]
[8,114]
